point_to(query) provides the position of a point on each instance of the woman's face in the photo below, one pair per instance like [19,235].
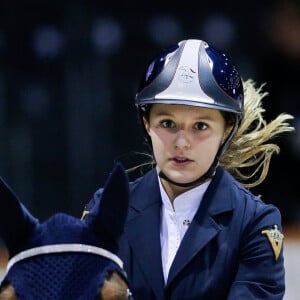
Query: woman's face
[185,139]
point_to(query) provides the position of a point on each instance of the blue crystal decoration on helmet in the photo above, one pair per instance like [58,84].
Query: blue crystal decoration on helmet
[226,74]
[156,66]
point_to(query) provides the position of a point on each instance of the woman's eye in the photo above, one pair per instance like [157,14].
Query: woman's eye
[167,124]
[200,126]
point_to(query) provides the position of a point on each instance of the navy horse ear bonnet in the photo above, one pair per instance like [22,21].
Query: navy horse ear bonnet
[64,257]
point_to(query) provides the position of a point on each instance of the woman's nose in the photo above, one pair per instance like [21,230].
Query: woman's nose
[182,139]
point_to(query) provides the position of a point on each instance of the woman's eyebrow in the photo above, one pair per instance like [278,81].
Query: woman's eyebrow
[168,114]
[164,113]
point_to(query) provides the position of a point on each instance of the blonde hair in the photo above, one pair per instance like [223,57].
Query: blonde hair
[248,156]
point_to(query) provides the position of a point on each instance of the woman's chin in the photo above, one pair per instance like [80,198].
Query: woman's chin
[182,179]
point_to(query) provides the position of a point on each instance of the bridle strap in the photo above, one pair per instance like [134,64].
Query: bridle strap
[64,248]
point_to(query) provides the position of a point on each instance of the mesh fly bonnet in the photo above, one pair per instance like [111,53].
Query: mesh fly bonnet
[64,257]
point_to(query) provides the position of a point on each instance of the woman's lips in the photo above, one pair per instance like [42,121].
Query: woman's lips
[181,161]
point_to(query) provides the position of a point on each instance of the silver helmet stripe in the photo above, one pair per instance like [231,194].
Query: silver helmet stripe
[185,84]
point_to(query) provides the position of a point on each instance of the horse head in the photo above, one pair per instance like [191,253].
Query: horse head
[66,257]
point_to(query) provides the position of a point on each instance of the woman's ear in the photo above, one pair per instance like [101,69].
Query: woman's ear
[146,125]
[227,132]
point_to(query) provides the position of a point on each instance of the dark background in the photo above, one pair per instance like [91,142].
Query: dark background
[69,71]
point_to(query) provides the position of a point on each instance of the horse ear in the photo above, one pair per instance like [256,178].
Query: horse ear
[109,214]
[16,223]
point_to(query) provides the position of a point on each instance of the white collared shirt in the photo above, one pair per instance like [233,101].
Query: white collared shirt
[175,221]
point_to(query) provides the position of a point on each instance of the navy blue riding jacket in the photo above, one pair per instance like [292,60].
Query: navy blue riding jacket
[231,250]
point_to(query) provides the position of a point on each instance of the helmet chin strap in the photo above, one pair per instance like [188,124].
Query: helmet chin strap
[210,172]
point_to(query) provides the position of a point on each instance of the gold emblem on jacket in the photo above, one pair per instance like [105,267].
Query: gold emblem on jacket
[275,238]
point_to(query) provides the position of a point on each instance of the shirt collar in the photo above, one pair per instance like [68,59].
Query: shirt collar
[187,201]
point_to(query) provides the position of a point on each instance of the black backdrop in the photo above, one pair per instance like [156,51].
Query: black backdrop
[69,71]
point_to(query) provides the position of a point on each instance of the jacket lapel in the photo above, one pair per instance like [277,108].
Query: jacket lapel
[143,230]
[203,228]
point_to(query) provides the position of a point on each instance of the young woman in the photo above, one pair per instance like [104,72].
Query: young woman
[194,230]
